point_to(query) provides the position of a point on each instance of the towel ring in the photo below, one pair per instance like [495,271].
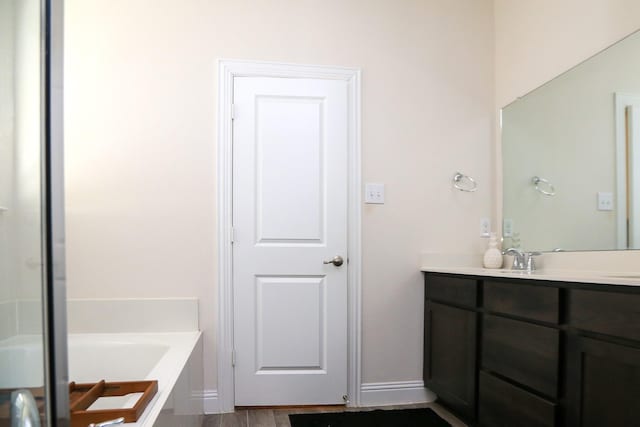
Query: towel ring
[464,183]
[549,191]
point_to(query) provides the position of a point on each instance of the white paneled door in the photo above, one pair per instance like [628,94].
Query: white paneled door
[290,219]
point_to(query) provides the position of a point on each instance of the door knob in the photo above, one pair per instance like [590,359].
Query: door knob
[337,261]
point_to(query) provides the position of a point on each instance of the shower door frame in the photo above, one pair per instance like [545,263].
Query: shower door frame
[53,246]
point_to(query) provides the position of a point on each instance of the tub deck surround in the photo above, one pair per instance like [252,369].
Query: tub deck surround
[141,339]
[143,315]
[20,317]
[21,362]
[173,359]
[8,324]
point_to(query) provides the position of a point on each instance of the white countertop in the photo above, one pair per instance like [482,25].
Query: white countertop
[580,276]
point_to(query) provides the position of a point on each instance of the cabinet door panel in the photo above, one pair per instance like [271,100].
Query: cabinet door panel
[523,352]
[603,383]
[504,405]
[450,356]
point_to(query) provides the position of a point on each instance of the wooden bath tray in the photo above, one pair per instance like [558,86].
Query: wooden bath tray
[82,396]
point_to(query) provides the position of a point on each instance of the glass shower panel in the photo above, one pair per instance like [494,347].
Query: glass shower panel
[22,355]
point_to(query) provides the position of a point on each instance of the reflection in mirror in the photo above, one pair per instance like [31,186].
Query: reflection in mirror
[571,157]
[21,275]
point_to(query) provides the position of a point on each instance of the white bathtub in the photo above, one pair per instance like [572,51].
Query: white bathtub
[173,359]
[21,363]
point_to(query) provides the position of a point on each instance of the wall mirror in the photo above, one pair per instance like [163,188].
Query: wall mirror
[571,157]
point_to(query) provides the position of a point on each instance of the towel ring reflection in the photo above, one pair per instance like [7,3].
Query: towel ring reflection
[549,191]
[464,183]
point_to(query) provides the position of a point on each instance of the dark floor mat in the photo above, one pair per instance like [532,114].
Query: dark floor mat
[422,417]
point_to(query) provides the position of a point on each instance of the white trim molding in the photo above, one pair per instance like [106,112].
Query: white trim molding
[395,393]
[622,100]
[227,71]
[211,401]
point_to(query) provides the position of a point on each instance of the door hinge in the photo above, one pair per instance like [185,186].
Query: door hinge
[233,357]
[233,235]
[233,111]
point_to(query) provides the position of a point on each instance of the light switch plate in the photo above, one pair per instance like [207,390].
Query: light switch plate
[374,193]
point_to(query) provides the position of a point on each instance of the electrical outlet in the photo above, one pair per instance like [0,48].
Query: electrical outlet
[485,227]
[374,194]
[507,227]
[605,201]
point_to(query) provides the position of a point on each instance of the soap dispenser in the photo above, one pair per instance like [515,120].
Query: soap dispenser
[493,255]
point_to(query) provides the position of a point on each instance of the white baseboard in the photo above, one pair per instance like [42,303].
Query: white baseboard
[211,402]
[371,394]
[395,393]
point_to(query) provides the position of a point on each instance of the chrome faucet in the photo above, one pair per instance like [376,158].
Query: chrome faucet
[24,409]
[522,261]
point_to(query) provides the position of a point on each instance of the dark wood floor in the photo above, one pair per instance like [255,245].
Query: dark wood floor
[280,417]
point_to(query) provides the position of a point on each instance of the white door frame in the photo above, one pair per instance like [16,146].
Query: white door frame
[227,70]
[622,100]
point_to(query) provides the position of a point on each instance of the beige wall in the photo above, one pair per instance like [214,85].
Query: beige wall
[141,144]
[537,40]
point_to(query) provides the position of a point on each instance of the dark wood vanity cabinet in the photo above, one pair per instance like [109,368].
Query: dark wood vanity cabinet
[603,359]
[450,358]
[603,383]
[525,353]
[521,352]
[450,331]
[520,355]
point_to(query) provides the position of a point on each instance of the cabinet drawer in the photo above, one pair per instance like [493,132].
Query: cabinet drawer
[454,290]
[504,405]
[529,301]
[605,312]
[523,352]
